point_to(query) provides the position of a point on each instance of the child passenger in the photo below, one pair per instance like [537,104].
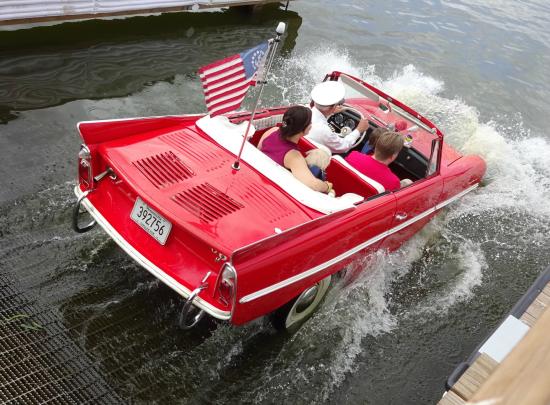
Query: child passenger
[387,147]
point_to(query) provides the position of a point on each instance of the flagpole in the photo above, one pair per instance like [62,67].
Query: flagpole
[274,43]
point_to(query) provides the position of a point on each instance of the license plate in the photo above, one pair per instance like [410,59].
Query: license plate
[151,221]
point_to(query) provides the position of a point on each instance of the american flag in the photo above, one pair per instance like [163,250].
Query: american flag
[226,82]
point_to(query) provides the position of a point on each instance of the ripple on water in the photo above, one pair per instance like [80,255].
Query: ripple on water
[490,243]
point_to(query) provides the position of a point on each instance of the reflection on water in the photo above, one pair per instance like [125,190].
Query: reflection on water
[46,66]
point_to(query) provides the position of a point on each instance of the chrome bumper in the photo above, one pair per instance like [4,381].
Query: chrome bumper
[146,263]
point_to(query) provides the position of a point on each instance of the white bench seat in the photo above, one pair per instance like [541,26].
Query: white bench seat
[230,136]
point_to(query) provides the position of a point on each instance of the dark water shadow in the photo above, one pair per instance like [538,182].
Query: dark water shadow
[47,66]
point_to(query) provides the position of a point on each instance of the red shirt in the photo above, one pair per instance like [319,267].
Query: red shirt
[372,168]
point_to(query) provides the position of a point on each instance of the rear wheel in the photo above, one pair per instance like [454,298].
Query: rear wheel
[293,314]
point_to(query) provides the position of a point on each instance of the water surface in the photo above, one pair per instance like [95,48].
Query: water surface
[477,69]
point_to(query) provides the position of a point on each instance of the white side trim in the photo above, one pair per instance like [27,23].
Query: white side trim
[379,187]
[345,255]
[230,136]
[147,264]
[135,119]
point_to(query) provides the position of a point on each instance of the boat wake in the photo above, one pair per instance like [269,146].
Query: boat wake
[440,268]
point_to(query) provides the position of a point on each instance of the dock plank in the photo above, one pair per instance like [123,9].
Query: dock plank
[536,308]
[528,319]
[450,398]
[474,376]
[544,297]
[522,377]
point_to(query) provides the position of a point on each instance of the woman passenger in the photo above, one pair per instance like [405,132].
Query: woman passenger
[281,145]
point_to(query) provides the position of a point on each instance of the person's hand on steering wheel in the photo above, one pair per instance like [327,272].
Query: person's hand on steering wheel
[338,108]
[363,125]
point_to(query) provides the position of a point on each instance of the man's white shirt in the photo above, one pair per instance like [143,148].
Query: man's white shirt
[321,133]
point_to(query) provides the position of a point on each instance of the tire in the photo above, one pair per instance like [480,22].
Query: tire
[294,313]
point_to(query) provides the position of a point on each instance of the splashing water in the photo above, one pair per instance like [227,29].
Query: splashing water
[311,68]
[516,180]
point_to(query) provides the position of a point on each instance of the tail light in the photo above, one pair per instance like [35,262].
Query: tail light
[227,285]
[85,167]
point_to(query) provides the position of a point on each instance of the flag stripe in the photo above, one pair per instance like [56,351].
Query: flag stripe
[226,82]
[219,65]
[223,100]
[226,91]
[220,80]
[234,100]
[233,70]
[226,108]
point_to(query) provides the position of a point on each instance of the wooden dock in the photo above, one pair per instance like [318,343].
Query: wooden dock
[520,373]
[19,12]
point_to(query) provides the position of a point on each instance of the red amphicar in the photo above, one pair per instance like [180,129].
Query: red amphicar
[241,244]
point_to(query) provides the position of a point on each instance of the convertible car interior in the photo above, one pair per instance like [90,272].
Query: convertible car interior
[410,164]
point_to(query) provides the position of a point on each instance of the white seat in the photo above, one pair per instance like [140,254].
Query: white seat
[229,136]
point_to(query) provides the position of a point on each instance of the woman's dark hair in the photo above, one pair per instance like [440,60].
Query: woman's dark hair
[296,119]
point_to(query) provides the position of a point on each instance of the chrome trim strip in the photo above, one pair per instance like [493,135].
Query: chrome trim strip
[148,265]
[345,255]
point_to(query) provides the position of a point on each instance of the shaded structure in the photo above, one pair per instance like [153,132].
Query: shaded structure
[35,11]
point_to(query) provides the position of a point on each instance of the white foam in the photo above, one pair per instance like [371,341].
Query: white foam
[347,316]
[471,264]
[518,169]
[311,68]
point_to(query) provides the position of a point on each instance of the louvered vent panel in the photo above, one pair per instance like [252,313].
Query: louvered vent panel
[163,169]
[256,195]
[198,149]
[207,202]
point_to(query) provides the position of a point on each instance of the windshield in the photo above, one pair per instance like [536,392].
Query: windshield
[382,111]
[357,90]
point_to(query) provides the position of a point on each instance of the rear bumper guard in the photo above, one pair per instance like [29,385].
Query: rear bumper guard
[77,211]
[143,261]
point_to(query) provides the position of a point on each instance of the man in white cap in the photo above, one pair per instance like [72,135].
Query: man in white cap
[327,98]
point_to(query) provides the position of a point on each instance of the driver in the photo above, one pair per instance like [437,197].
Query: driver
[327,99]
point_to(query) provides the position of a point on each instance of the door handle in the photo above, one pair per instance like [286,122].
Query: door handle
[400,216]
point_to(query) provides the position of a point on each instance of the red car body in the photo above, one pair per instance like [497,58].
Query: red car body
[268,244]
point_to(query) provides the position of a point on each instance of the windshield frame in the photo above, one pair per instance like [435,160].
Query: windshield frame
[371,92]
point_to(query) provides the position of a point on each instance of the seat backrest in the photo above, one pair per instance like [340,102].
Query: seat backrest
[305,145]
[347,179]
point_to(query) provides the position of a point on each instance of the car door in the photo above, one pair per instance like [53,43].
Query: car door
[415,206]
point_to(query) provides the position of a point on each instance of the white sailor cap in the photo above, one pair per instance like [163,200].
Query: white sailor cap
[328,93]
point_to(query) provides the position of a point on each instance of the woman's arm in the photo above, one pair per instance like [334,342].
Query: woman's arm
[295,162]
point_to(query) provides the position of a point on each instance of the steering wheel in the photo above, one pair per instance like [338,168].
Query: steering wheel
[344,122]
